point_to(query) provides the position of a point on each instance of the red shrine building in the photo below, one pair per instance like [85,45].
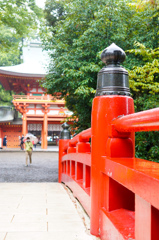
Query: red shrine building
[35,111]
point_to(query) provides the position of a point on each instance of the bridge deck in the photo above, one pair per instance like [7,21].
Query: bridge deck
[43,211]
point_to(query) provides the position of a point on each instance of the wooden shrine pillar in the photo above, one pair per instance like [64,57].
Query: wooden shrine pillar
[45,126]
[42,137]
[1,139]
[24,126]
[45,133]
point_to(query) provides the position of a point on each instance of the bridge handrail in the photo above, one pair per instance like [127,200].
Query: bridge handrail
[142,121]
[75,166]
[83,136]
[119,192]
[76,174]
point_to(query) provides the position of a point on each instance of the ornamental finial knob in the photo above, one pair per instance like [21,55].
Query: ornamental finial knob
[65,133]
[113,55]
[113,78]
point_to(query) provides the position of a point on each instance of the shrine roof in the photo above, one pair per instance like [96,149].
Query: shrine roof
[35,63]
[6,114]
[21,71]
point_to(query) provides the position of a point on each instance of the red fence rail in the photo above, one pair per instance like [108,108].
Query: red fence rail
[142,121]
[129,186]
[75,166]
[119,192]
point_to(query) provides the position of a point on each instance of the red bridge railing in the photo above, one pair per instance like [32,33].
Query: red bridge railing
[119,192]
[75,166]
[142,121]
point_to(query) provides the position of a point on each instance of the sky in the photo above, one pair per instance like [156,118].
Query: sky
[40,3]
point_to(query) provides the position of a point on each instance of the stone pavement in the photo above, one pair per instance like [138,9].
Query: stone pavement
[43,169]
[33,206]
[39,211]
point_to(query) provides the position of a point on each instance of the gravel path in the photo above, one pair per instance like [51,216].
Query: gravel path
[43,169]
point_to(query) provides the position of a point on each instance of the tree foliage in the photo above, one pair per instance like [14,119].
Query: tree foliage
[54,12]
[17,19]
[145,79]
[5,97]
[144,82]
[75,34]
[9,52]
[147,143]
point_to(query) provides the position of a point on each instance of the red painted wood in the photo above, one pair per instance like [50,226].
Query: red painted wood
[12,132]
[137,122]
[68,167]
[117,225]
[154,223]
[84,158]
[62,143]
[83,147]
[78,192]
[78,171]
[72,170]
[119,192]
[86,176]
[84,137]
[104,110]
[139,176]
[142,219]
[71,150]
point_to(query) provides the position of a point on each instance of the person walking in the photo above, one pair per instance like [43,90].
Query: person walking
[22,142]
[5,141]
[28,149]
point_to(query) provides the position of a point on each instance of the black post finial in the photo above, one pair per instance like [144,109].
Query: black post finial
[113,78]
[65,133]
[113,55]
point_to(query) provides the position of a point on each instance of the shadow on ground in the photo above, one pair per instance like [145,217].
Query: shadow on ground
[43,169]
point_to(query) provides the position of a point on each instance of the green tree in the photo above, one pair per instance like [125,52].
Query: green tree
[144,82]
[145,78]
[10,51]
[147,143]
[5,97]
[75,40]
[54,11]
[19,16]
[17,20]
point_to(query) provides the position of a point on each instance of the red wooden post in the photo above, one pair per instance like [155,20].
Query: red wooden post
[86,176]
[142,219]
[62,144]
[45,125]
[107,105]
[72,170]
[71,148]
[64,139]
